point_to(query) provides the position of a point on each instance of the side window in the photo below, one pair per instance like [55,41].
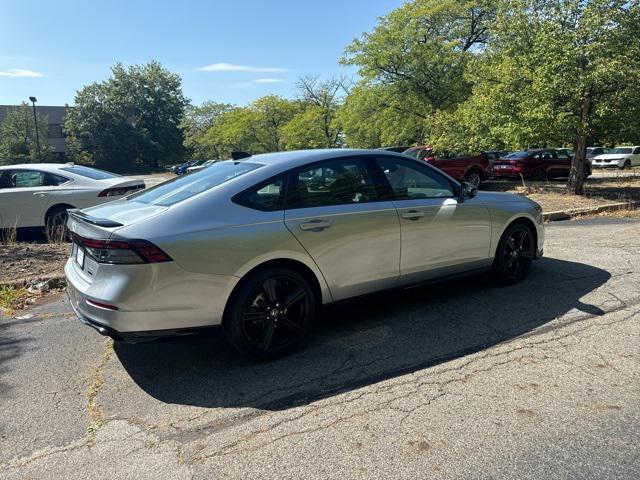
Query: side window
[334,182]
[267,197]
[408,180]
[52,180]
[26,178]
[636,151]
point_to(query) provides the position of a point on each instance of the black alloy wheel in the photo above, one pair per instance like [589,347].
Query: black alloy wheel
[515,254]
[271,314]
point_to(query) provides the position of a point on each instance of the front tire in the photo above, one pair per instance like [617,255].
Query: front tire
[514,254]
[270,314]
[473,178]
[626,165]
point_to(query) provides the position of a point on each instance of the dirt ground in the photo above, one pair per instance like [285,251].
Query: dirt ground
[30,261]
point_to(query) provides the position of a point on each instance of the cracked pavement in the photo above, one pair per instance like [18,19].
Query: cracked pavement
[457,380]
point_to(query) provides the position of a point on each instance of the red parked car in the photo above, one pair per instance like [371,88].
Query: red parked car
[537,164]
[472,169]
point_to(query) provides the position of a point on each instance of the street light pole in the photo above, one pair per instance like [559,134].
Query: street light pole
[35,120]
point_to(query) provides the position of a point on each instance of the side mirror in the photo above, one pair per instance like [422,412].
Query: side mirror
[468,190]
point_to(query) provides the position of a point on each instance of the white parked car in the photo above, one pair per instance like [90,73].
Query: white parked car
[195,168]
[37,195]
[621,157]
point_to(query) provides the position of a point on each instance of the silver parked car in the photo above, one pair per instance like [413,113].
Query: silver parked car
[258,245]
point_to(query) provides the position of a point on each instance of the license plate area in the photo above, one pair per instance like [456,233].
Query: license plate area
[78,254]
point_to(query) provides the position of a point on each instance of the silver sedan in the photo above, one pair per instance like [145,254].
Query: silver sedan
[258,245]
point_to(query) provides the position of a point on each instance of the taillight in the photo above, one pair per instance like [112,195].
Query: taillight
[123,252]
[119,191]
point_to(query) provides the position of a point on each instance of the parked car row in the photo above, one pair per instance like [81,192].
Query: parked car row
[533,164]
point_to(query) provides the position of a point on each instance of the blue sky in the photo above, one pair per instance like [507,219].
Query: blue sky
[228,51]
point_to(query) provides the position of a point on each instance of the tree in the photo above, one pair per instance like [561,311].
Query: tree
[423,47]
[131,118]
[257,128]
[18,142]
[377,115]
[197,120]
[577,60]
[324,98]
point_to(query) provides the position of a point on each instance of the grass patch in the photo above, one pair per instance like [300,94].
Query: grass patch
[12,299]
[97,380]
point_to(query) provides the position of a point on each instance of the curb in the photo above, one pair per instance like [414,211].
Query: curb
[567,214]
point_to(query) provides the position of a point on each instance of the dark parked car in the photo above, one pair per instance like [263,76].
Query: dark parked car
[463,167]
[536,164]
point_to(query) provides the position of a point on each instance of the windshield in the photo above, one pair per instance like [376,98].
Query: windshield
[622,150]
[181,188]
[89,172]
[521,154]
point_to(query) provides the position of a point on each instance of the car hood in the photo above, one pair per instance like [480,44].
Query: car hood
[612,156]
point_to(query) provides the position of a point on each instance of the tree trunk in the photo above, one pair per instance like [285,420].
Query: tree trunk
[575,182]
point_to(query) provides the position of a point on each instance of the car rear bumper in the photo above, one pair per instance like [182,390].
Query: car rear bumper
[148,300]
[133,337]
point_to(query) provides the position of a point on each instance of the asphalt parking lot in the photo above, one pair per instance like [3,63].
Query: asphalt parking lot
[457,380]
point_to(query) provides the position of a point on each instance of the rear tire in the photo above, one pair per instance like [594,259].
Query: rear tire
[539,175]
[56,224]
[270,314]
[514,254]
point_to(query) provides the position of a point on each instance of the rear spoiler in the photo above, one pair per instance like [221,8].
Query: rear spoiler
[101,222]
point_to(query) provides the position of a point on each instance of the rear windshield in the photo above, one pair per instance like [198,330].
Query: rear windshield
[89,172]
[622,150]
[522,154]
[181,188]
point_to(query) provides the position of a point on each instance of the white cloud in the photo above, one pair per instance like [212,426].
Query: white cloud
[230,67]
[18,72]
[268,80]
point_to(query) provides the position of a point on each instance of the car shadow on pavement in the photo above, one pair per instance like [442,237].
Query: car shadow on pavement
[366,340]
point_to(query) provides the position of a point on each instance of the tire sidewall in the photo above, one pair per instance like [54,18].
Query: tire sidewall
[498,263]
[232,324]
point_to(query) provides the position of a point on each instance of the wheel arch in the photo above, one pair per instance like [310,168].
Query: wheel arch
[522,218]
[312,275]
[55,207]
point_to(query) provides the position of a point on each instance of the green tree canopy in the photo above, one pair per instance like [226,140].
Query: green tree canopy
[131,118]
[18,142]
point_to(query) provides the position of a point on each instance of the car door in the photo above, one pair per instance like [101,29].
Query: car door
[440,233]
[337,214]
[635,158]
[23,197]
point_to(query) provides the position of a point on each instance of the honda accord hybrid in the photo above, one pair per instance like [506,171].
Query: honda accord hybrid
[258,245]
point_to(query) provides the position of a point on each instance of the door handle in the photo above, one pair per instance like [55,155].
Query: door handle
[315,225]
[40,194]
[413,215]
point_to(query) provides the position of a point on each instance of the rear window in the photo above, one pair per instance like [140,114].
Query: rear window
[89,172]
[181,188]
[522,154]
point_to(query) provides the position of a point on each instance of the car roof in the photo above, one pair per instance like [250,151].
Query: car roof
[295,158]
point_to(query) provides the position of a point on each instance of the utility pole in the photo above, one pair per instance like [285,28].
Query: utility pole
[35,120]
